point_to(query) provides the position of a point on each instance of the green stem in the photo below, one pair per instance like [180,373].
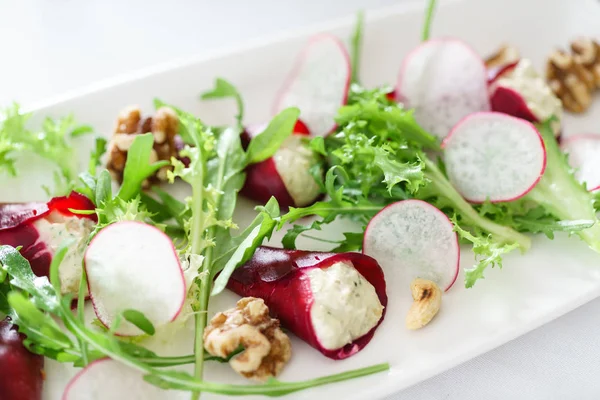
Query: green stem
[81,315]
[272,389]
[428,20]
[502,234]
[197,230]
[355,49]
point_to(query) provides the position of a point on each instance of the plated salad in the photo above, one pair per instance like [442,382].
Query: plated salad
[461,150]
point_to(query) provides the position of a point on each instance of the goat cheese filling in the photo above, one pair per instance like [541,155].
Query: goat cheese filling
[345,305]
[55,230]
[535,91]
[293,161]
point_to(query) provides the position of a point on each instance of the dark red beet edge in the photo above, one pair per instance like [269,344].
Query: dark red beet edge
[509,102]
[21,372]
[275,275]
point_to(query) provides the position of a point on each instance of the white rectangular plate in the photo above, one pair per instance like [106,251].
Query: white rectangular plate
[532,289]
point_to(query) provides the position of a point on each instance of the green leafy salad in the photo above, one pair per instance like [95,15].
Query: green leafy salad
[434,162]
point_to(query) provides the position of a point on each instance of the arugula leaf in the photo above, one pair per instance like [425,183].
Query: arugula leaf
[103,192]
[96,155]
[246,244]
[224,89]
[140,321]
[265,144]
[138,167]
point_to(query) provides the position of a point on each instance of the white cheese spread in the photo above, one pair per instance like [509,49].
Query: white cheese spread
[535,91]
[345,305]
[57,229]
[293,160]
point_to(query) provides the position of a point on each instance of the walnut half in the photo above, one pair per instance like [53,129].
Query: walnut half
[266,348]
[587,52]
[570,81]
[163,126]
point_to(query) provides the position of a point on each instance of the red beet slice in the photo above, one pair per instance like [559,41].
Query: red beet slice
[519,91]
[19,226]
[21,375]
[264,179]
[280,277]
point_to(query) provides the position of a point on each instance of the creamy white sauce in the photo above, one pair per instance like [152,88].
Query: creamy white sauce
[57,229]
[535,91]
[345,305]
[293,160]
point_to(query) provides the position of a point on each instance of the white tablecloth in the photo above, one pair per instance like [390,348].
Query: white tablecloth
[50,47]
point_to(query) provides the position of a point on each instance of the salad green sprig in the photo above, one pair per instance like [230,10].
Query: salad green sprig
[34,302]
[52,142]
[380,155]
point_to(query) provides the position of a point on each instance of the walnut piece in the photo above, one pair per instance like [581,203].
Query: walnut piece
[570,81]
[505,55]
[586,52]
[266,348]
[163,126]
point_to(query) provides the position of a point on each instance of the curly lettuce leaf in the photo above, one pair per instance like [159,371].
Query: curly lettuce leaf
[51,142]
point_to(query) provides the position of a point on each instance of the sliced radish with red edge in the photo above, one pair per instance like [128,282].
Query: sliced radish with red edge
[443,80]
[131,265]
[494,156]
[584,156]
[109,379]
[318,84]
[413,239]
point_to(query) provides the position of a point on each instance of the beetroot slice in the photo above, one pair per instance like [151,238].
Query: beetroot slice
[17,226]
[444,80]
[263,179]
[508,101]
[279,277]
[13,215]
[20,370]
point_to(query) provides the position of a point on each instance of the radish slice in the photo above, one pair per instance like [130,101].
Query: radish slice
[414,239]
[494,156]
[584,157]
[444,80]
[109,379]
[131,265]
[318,84]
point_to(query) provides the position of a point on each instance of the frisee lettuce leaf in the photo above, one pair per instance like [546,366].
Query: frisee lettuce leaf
[380,155]
[51,142]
